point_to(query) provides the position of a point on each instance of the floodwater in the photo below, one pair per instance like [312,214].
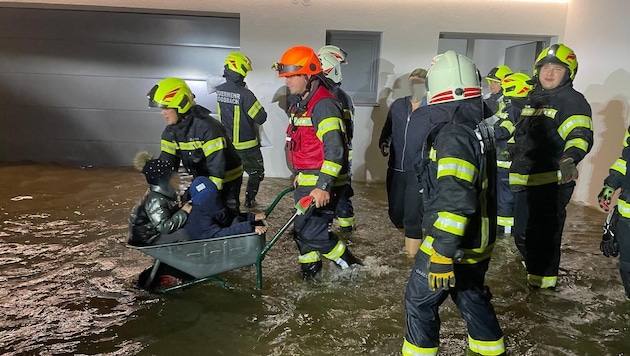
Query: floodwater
[67,284]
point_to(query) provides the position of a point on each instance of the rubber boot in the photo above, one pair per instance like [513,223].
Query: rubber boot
[310,270]
[347,259]
[412,246]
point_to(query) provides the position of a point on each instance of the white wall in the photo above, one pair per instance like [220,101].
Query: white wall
[410,39]
[597,31]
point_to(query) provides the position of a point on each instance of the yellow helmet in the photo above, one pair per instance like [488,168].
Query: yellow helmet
[171,93]
[451,77]
[238,62]
[497,73]
[516,85]
[559,54]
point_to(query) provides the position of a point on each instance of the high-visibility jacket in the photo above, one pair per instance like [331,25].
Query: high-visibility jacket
[240,112]
[460,184]
[347,105]
[202,145]
[617,177]
[316,145]
[555,123]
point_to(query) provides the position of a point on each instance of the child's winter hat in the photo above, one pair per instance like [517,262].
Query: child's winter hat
[157,170]
[200,189]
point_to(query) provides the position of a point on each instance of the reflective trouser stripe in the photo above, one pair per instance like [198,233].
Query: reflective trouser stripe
[505,220]
[542,281]
[346,222]
[337,251]
[410,349]
[490,348]
[309,257]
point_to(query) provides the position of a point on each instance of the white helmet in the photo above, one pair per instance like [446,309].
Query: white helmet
[337,52]
[331,67]
[451,77]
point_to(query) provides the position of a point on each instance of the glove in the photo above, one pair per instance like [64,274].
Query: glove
[384,149]
[441,274]
[604,197]
[504,156]
[609,246]
[568,170]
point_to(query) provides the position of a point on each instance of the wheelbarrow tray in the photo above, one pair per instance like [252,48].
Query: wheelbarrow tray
[209,257]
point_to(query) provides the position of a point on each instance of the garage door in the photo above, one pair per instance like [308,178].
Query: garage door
[73,84]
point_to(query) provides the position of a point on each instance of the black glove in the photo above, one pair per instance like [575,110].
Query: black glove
[609,245]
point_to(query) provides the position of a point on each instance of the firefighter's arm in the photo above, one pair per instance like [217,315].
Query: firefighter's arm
[214,152]
[577,131]
[169,150]
[326,119]
[254,109]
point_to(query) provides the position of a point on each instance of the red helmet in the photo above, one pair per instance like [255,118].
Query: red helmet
[298,60]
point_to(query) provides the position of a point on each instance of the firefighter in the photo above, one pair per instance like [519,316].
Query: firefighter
[494,99]
[401,138]
[318,156]
[552,135]
[455,253]
[616,239]
[241,114]
[516,88]
[196,139]
[331,58]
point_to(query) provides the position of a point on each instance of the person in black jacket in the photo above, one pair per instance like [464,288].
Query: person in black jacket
[401,139]
[241,114]
[210,218]
[198,140]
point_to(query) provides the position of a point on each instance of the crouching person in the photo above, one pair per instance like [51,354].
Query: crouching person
[210,217]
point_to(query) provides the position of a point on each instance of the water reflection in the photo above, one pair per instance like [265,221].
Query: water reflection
[68,284]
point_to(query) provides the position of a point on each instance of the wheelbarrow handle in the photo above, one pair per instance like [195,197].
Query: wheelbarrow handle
[277,200]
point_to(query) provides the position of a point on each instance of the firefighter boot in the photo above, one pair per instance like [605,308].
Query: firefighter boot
[250,202]
[347,259]
[310,270]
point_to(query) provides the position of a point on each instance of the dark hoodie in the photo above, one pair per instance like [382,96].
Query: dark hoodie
[209,217]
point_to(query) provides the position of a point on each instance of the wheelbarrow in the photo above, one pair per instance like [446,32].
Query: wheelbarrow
[205,259]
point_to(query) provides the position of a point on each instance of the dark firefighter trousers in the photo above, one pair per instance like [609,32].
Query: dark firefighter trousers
[405,202]
[539,216]
[623,239]
[254,165]
[345,210]
[505,200]
[470,295]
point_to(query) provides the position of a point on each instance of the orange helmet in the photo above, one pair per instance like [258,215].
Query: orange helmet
[298,60]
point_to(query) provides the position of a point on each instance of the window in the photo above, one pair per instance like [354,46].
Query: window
[360,75]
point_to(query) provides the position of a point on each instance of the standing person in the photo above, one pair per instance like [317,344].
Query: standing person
[516,88]
[401,143]
[455,254]
[241,114]
[331,58]
[494,99]
[318,155]
[616,240]
[552,136]
[198,140]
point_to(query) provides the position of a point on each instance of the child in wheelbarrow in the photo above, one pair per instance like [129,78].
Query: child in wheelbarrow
[210,218]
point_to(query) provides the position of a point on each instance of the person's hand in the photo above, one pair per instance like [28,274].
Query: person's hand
[322,197]
[260,229]
[259,216]
[609,246]
[604,197]
[295,180]
[187,207]
[441,274]
[568,170]
[384,149]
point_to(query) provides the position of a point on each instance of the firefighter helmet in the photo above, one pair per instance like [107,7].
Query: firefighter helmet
[238,62]
[171,93]
[298,60]
[331,67]
[451,77]
[559,54]
[516,85]
[337,52]
[497,73]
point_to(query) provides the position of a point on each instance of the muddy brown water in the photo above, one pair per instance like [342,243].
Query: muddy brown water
[67,283]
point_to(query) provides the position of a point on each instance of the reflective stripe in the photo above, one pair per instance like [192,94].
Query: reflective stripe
[309,257]
[350,154]
[475,255]
[508,125]
[301,121]
[619,166]
[490,348]
[410,349]
[329,124]
[542,281]
[233,174]
[625,138]
[624,208]
[573,122]
[456,167]
[433,154]
[550,113]
[212,146]
[245,144]
[451,223]
[310,180]
[253,111]
[236,132]
[427,245]
[535,179]
[217,181]
[168,147]
[504,164]
[577,143]
[505,220]
[330,168]
[511,140]
[346,222]
[337,251]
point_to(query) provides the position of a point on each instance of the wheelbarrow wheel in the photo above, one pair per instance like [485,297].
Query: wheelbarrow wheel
[166,277]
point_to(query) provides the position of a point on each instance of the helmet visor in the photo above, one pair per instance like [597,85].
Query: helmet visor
[285,68]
